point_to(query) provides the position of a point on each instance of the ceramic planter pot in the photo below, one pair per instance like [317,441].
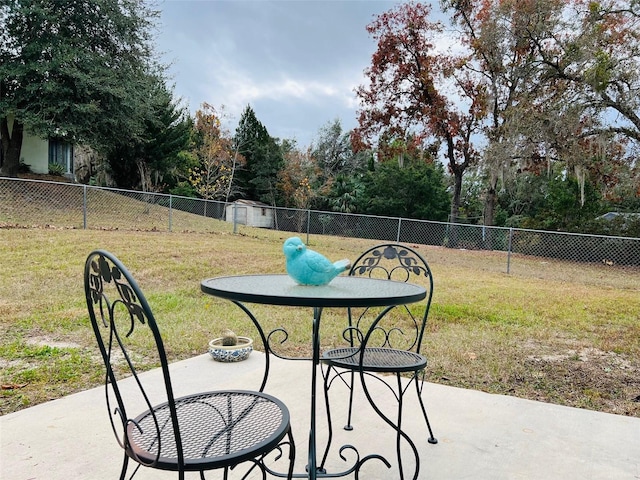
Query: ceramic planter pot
[230,353]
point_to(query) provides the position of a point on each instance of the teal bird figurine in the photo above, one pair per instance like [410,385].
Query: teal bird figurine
[308,267]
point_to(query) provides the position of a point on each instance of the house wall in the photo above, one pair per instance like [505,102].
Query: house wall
[35,153]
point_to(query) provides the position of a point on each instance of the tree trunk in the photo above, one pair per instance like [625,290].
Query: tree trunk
[457,170]
[457,190]
[11,147]
[490,203]
[490,207]
[145,175]
[454,232]
[491,198]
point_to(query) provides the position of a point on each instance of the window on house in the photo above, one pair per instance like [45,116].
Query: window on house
[264,212]
[61,153]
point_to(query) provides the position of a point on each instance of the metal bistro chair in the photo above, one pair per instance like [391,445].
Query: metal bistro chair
[390,344]
[195,433]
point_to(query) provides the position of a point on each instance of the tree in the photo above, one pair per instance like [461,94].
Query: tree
[596,58]
[346,193]
[555,72]
[564,207]
[217,157]
[335,158]
[410,92]
[153,159]
[72,69]
[414,191]
[534,198]
[333,153]
[295,179]
[598,54]
[498,55]
[264,159]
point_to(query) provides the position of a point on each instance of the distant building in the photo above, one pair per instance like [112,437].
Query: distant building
[38,153]
[250,213]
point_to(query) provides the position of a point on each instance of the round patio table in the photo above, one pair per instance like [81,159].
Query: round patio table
[342,291]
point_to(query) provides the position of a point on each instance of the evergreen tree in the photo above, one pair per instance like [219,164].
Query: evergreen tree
[263,159]
[153,159]
[415,191]
[77,70]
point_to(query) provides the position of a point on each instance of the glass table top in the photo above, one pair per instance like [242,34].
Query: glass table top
[342,291]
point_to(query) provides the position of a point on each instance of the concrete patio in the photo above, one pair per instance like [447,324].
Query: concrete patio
[481,436]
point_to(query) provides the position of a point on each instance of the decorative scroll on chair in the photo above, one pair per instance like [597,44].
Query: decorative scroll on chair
[195,433]
[385,341]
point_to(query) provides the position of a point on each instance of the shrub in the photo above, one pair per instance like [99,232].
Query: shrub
[24,167]
[56,169]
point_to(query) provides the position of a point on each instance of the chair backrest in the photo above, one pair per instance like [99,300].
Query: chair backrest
[127,335]
[402,327]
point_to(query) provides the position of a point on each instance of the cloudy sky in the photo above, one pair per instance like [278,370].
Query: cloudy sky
[295,62]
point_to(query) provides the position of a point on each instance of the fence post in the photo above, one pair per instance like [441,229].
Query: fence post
[308,224]
[84,207]
[170,211]
[235,219]
[398,234]
[509,249]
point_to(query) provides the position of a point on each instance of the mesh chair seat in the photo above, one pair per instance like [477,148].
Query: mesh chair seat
[216,428]
[376,359]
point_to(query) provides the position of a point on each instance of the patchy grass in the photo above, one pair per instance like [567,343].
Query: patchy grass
[551,331]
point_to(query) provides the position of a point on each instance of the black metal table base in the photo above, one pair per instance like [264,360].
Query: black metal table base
[315,471]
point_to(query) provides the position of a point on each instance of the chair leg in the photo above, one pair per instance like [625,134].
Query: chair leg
[327,408]
[396,423]
[349,384]
[123,471]
[400,434]
[399,429]
[292,454]
[433,440]
[352,385]
[125,464]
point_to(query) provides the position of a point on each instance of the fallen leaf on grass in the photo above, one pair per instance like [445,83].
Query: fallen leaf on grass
[14,386]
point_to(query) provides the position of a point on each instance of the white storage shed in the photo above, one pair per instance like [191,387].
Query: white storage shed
[250,213]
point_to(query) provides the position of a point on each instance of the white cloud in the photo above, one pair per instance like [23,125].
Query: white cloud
[248,90]
[236,88]
[296,63]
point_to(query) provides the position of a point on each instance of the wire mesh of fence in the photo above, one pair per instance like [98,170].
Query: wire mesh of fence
[25,203]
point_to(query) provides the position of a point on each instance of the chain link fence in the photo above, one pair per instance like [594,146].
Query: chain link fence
[26,203]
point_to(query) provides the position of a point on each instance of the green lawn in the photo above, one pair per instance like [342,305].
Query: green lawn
[549,331]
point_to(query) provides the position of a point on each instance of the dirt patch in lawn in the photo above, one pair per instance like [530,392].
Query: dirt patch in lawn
[585,378]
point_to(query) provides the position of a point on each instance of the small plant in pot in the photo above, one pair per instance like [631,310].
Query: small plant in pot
[230,347]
